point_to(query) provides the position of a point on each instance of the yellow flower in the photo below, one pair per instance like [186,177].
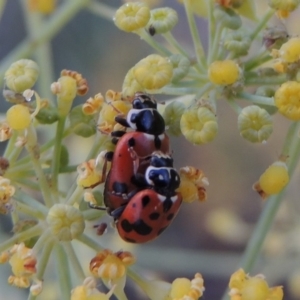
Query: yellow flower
[181,66]
[18,117]
[255,124]
[153,72]
[172,115]
[273,180]
[93,104]
[287,99]
[199,126]
[65,221]
[6,192]
[244,287]
[289,52]
[88,291]
[23,264]
[192,184]
[81,83]
[5,131]
[132,16]
[223,72]
[88,174]
[21,75]
[287,5]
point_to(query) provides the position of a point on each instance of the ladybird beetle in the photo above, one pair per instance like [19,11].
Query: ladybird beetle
[133,150]
[150,211]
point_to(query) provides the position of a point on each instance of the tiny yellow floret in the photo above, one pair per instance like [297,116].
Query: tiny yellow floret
[287,100]
[224,72]
[153,72]
[18,117]
[132,16]
[275,178]
[290,51]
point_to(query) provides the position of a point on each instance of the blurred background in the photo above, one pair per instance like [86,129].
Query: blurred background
[205,237]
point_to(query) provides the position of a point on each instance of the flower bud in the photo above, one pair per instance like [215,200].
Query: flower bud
[132,16]
[172,115]
[255,124]
[223,72]
[238,42]
[287,5]
[181,66]
[131,85]
[66,222]
[199,126]
[18,117]
[47,115]
[228,17]
[287,100]
[21,75]
[82,124]
[153,72]
[162,20]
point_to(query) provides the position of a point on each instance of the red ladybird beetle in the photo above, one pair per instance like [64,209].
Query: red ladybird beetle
[150,211]
[133,149]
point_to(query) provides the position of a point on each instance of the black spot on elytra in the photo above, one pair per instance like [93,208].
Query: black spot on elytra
[167,204]
[126,226]
[154,216]
[161,230]
[120,188]
[141,227]
[131,142]
[157,142]
[170,217]
[145,201]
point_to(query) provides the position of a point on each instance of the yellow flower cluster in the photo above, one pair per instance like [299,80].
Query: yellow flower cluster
[244,287]
[6,192]
[224,72]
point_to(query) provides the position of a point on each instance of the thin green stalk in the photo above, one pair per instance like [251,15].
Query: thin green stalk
[21,237]
[256,61]
[86,240]
[31,202]
[102,10]
[262,23]
[144,35]
[195,34]
[235,106]
[213,52]
[268,214]
[42,240]
[44,259]
[30,211]
[274,80]
[44,147]
[44,185]
[92,214]
[211,23]
[10,147]
[26,182]
[56,153]
[168,36]
[50,28]
[256,98]
[170,90]
[76,196]
[74,261]
[42,53]
[63,272]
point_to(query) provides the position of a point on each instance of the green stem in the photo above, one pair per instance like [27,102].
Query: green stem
[274,80]
[168,36]
[10,148]
[89,242]
[262,23]
[144,35]
[21,237]
[63,272]
[200,55]
[44,259]
[42,240]
[56,153]
[256,98]
[235,106]
[50,28]
[80,276]
[76,196]
[213,52]
[93,214]
[102,10]
[211,23]
[30,211]
[266,219]
[257,60]
[33,150]
[31,202]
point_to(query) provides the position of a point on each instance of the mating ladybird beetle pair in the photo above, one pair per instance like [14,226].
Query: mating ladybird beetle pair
[140,188]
